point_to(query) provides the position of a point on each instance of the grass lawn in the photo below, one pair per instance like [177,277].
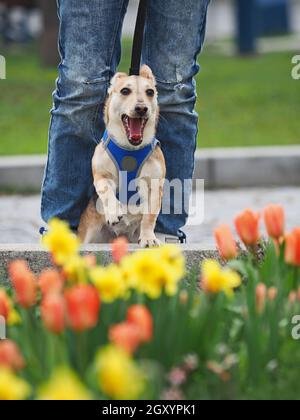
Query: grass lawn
[241,101]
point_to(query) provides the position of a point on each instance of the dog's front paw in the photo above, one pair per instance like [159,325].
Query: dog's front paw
[114,218]
[149,241]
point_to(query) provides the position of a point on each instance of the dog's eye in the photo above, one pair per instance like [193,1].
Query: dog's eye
[150,92]
[125,91]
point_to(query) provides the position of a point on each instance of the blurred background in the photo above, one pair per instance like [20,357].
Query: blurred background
[246,95]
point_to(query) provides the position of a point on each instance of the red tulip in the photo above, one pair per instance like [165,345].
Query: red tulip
[140,316]
[53,312]
[274,221]
[24,283]
[226,243]
[292,248]
[247,226]
[126,335]
[4,304]
[50,281]
[10,355]
[82,306]
[119,249]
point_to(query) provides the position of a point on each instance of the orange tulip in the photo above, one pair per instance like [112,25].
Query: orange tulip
[261,294]
[226,243]
[274,221]
[4,304]
[247,226]
[50,281]
[293,297]
[91,260]
[298,294]
[53,312]
[140,316]
[292,248]
[82,306]
[10,355]
[119,249]
[272,293]
[126,335]
[24,283]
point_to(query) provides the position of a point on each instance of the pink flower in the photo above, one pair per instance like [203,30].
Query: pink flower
[172,394]
[177,376]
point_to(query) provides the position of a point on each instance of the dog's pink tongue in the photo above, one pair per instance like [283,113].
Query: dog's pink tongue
[135,127]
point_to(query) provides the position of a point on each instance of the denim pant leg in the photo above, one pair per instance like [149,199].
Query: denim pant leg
[174,37]
[89,42]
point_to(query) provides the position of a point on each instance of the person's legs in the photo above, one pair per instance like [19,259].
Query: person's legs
[174,37]
[90,33]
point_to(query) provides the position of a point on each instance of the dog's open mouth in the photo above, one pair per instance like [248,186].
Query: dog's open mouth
[134,128]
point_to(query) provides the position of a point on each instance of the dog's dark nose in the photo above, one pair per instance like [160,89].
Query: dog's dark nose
[141,110]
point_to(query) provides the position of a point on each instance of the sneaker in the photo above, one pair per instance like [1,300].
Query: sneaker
[172,239]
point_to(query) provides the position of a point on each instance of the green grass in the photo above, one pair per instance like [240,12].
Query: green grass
[241,101]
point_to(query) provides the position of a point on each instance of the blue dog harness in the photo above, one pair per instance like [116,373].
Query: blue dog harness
[129,164]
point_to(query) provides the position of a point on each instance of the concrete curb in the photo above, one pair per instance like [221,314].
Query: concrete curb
[249,167]
[22,172]
[221,168]
[38,258]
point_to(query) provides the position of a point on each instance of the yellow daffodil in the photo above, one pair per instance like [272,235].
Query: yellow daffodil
[119,376]
[216,280]
[64,385]
[109,282]
[75,269]
[155,271]
[126,267]
[173,257]
[12,387]
[60,241]
[7,309]
[147,273]
[14,318]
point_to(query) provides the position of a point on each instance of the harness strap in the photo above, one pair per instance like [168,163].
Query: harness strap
[138,39]
[128,163]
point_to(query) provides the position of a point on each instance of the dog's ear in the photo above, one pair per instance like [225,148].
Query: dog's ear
[146,72]
[117,77]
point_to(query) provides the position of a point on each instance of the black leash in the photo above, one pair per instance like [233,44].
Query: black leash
[138,39]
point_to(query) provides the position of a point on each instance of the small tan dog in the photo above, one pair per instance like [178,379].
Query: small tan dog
[129,146]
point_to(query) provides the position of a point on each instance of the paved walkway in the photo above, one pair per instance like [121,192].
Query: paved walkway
[20,220]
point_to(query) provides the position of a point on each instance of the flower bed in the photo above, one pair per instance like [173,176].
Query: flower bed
[143,327]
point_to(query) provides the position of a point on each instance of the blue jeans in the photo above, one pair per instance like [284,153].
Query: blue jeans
[90,47]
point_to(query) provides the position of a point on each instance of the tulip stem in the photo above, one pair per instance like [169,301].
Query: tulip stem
[81,352]
[295,278]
